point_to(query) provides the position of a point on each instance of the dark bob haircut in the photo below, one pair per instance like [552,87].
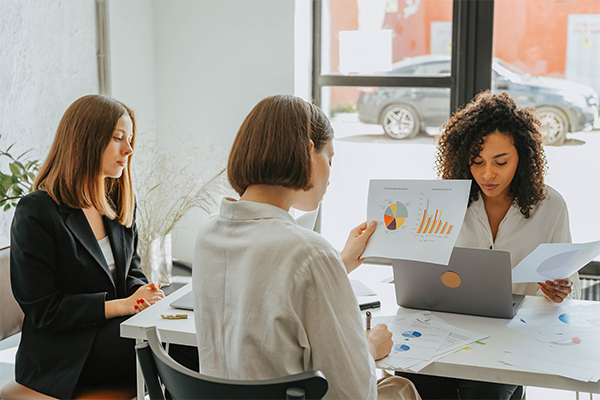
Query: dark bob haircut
[463,136]
[272,146]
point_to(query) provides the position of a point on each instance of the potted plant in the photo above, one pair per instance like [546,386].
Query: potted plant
[18,183]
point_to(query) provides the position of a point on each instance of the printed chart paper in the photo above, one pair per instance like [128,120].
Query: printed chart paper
[416,219]
[561,340]
[422,338]
[550,261]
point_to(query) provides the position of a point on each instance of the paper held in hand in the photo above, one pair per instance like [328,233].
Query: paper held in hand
[550,261]
[416,219]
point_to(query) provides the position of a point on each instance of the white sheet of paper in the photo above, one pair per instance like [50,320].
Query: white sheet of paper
[556,323]
[580,352]
[455,338]
[413,337]
[549,367]
[551,261]
[416,219]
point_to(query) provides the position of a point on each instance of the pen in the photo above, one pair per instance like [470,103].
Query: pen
[368,320]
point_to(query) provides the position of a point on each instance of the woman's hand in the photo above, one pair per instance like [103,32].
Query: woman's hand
[355,245]
[379,340]
[143,298]
[556,291]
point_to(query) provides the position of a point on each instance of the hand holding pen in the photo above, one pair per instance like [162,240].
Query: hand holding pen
[379,339]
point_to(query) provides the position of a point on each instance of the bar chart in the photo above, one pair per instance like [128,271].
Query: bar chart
[433,224]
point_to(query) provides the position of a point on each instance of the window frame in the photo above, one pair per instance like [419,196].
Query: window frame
[471,57]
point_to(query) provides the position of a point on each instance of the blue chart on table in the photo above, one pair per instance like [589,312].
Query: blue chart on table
[412,334]
[400,347]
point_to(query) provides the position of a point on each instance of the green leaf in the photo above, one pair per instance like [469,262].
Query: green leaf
[5,179]
[17,191]
[14,179]
[7,207]
[19,165]
[14,169]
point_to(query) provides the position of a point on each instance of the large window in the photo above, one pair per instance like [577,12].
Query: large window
[385,71]
[389,72]
[548,60]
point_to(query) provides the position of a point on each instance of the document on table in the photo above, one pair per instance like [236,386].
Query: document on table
[562,340]
[554,324]
[550,261]
[579,359]
[416,219]
[420,339]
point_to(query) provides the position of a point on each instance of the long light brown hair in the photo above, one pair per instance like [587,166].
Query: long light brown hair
[72,172]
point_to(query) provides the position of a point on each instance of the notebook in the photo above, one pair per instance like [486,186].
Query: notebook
[475,281]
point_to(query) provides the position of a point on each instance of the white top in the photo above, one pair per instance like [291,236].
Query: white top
[108,254]
[273,299]
[548,223]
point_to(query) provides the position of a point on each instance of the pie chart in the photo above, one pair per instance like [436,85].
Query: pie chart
[412,334]
[395,215]
[400,347]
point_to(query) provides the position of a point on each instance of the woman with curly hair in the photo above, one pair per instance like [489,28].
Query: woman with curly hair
[498,146]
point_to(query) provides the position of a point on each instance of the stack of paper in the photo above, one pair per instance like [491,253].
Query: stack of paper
[422,338]
[563,340]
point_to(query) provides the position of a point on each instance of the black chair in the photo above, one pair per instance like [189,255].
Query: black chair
[160,369]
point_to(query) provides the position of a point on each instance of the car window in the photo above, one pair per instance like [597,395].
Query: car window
[436,68]
[406,71]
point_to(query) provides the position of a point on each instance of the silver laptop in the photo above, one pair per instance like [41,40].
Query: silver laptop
[475,281]
[185,302]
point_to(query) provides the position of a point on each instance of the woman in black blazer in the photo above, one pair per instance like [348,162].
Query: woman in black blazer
[75,268]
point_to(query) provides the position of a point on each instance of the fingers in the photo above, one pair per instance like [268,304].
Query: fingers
[560,286]
[556,291]
[369,229]
[363,229]
[359,229]
[379,340]
[141,305]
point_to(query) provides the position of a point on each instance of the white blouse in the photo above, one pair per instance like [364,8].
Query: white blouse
[548,223]
[104,244]
[274,299]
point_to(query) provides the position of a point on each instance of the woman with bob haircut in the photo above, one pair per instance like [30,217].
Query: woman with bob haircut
[498,147]
[75,269]
[272,298]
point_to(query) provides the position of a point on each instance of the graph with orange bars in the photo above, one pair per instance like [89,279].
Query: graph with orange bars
[433,223]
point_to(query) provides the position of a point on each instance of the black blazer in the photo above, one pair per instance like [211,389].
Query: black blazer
[61,280]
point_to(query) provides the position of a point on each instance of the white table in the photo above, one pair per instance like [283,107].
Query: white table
[477,363]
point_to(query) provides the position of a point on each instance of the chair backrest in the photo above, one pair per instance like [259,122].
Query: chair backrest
[11,315]
[183,383]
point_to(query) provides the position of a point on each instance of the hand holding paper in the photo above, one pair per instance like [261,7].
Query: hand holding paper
[552,261]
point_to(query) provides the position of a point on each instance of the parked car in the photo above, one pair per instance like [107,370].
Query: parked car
[562,106]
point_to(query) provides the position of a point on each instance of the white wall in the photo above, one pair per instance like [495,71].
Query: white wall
[132,58]
[47,60]
[213,61]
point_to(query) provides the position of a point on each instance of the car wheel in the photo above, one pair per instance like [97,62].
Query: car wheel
[555,125]
[400,121]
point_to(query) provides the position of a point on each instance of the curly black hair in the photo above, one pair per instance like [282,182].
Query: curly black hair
[462,140]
